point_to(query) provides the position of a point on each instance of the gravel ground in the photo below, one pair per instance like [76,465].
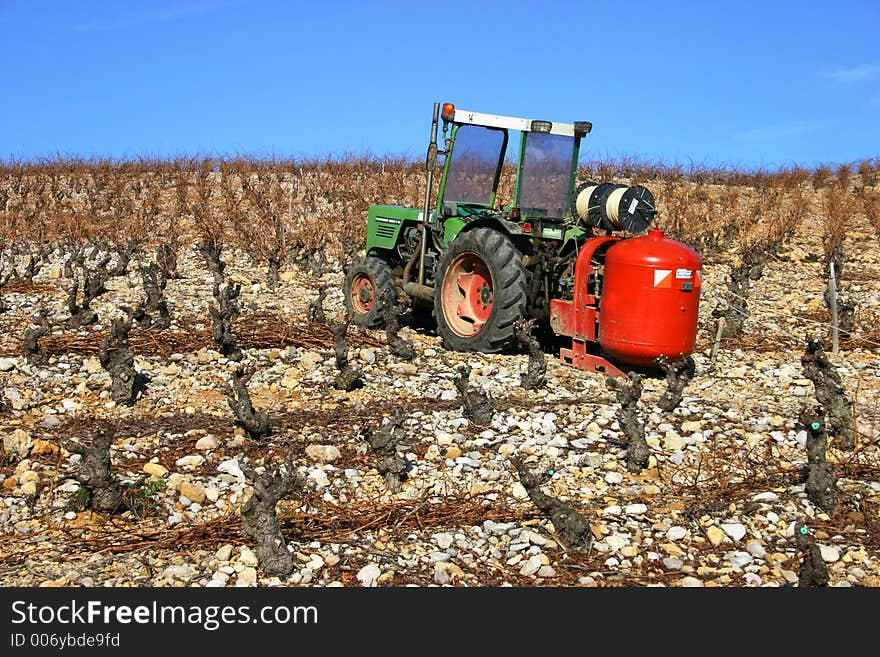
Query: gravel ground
[716,506]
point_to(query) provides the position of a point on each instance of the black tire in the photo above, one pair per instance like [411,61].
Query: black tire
[366,281]
[478,312]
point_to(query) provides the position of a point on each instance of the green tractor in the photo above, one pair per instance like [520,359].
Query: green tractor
[482,267]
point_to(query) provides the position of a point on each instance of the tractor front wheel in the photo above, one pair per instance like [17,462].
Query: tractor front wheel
[366,282]
[480,292]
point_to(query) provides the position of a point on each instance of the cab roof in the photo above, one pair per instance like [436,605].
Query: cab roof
[524,125]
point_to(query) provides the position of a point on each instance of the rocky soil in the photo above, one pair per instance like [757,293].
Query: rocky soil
[716,506]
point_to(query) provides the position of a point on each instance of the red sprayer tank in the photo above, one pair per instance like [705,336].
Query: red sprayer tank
[650,300]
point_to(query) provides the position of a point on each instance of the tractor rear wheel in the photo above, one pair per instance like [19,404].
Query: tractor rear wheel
[367,280]
[480,292]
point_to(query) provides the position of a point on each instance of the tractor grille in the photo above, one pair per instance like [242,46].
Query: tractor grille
[385,232]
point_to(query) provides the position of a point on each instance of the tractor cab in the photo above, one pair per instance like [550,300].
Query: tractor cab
[476,149]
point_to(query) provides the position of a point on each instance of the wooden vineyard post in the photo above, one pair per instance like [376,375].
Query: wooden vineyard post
[718,333]
[832,294]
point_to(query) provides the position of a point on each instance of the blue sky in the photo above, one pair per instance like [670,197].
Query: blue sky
[746,84]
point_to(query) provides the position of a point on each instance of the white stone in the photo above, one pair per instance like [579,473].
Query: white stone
[320,478]
[224,553]
[616,541]
[93,365]
[445,572]
[6,365]
[636,509]
[50,421]
[519,491]
[691,582]
[207,442]
[212,493]
[756,549]
[672,441]
[738,559]
[323,453]
[533,537]
[443,540]
[247,577]
[444,438]
[548,428]
[28,476]
[19,442]
[614,478]
[830,554]
[497,527]
[531,566]
[676,533]
[766,497]
[155,469]
[192,460]
[178,572]
[230,467]
[369,574]
[736,530]
[246,557]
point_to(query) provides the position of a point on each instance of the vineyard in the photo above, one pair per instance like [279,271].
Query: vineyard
[184,403]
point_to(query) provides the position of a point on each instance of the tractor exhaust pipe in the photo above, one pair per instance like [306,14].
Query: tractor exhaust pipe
[418,289]
[430,165]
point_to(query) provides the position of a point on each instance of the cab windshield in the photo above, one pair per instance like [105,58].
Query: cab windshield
[545,178]
[473,167]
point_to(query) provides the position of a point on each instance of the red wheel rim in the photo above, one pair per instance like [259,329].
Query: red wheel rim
[362,294]
[467,294]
